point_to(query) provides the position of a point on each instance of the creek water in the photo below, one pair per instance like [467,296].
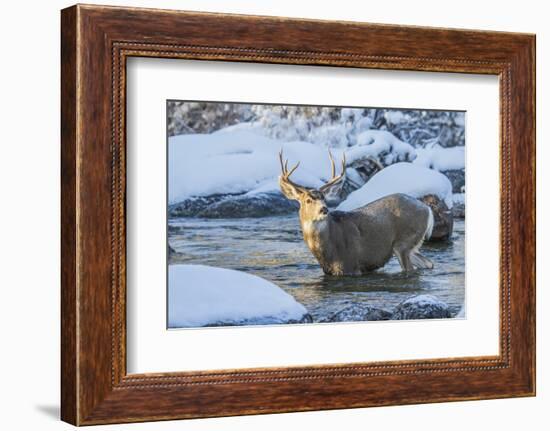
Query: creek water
[273,248]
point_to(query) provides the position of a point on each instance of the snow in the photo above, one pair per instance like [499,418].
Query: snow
[202,295]
[243,159]
[396,117]
[381,143]
[407,178]
[441,159]
[364,123]
[239,161]
[348,114]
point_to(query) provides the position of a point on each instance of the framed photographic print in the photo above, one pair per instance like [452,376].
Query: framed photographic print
[289,220]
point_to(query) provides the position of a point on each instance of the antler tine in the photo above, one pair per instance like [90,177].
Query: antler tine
[284,166]
[293,169]
[281,161]
[343,162]
[333,167]
[335,179]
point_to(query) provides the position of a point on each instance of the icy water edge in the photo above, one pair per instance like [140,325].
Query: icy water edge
[273,248]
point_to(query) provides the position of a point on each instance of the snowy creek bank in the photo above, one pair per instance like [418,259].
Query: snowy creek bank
[273,248]
[201,295]
[234,172]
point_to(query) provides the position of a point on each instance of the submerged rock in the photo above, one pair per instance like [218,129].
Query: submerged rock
[359,312]
[422,307]
[443,218]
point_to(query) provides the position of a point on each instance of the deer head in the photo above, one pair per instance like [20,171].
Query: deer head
[313,204]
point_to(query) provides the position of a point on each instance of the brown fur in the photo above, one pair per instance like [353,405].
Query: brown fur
[362,240]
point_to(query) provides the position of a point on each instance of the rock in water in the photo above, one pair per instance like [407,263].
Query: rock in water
[456,177]
[443,218]
[359,312]
[459,210]
[192,206]
[421,307]
[234,206]
[249,205]
[459,205]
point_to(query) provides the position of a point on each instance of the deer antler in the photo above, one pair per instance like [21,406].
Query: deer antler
[335,179]
[285,173]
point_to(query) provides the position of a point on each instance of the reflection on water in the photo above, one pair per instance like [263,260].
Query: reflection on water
[273,248]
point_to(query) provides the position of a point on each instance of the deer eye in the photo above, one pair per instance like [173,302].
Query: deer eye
[308,201]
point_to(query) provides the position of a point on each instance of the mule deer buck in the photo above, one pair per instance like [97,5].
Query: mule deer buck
[358,241]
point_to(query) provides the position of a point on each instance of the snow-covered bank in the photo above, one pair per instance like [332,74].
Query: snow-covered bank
[405,178]
[441,159]
[382,145]
[208,296]
[233,172]
[239,160]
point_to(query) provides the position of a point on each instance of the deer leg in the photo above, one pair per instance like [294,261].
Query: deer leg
[421,261]
[404,260]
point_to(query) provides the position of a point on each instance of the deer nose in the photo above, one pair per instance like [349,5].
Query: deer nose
[324,210]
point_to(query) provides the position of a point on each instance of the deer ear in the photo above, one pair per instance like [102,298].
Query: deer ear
[289,190]
[333,192]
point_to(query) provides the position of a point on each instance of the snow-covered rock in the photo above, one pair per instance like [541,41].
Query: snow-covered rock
[407,178]
[208,296]
[422,307]
[441,159]
[457,177]
[359,312]
[396,117]
[382,145]
[450,161]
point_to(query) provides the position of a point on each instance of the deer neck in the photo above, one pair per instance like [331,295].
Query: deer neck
[315,233]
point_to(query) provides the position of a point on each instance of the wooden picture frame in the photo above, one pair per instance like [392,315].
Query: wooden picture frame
[95,43]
